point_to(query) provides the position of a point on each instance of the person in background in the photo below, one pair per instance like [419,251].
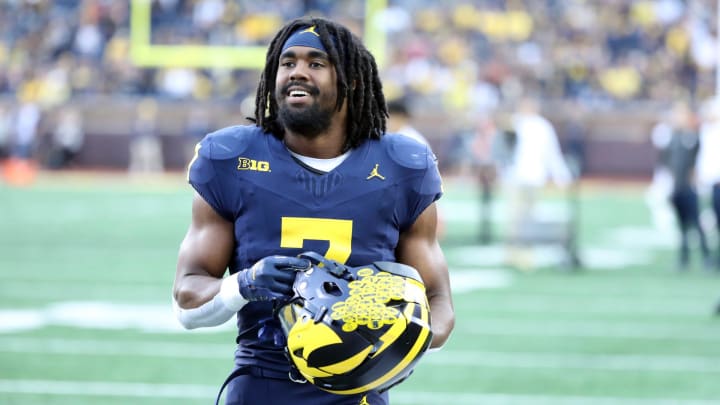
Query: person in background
[197,125]
[146,151]
[315,172]
[658,193]
[400,120]
[20,169]
[682,155]
[487,149]
[67,138]
[5,131]
[708,164]
[708,168]
[537,159]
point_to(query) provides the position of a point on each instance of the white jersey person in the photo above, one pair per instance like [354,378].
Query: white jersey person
[708,165]
[536,160]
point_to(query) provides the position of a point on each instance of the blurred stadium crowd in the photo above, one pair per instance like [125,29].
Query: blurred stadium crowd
[452,56]
[462,52]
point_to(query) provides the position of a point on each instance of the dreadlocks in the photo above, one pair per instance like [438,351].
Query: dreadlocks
[358,81]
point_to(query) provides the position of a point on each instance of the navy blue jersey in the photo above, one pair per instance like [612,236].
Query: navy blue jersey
[353,214]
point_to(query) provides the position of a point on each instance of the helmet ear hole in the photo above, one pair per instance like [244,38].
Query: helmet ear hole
[332,288]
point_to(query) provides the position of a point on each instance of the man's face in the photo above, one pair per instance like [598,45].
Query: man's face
[305,90]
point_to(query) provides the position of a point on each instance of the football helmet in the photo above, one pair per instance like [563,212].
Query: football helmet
[354,329]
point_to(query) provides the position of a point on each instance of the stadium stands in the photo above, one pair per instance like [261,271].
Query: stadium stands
[621,59]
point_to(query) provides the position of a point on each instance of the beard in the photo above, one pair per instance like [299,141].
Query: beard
[307,121]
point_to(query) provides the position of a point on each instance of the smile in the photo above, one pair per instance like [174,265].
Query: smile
[298,93]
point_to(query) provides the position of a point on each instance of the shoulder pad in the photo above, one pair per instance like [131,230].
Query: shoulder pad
[408,152]
[229,142]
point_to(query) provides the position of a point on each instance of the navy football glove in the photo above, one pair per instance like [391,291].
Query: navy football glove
[270,278]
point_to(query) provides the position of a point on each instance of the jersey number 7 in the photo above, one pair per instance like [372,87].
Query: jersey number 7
[338,233]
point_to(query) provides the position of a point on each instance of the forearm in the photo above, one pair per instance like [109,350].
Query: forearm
[194,290]
[442,318]
[217,310]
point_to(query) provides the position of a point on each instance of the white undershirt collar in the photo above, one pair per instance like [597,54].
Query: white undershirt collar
[324,165]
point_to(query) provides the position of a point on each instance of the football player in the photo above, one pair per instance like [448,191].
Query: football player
[316,172]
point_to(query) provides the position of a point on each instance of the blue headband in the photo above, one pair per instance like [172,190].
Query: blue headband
[304,37]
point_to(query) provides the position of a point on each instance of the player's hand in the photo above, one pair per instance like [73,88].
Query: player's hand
[270,278]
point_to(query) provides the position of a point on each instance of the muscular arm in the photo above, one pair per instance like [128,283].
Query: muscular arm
[204,255]
[418,247]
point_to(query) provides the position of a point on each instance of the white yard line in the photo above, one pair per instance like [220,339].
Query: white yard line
[455,398]
[122,348]
[158,318]
[592,328]
[398,396]
[107,389]
[461,358]
[576,361]
[36,290]
[652,307]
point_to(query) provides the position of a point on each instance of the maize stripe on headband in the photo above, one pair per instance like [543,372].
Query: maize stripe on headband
[304,37]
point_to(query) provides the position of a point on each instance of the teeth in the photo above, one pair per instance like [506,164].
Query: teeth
[298,93]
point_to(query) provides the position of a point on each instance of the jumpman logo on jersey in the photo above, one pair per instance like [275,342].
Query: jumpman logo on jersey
[374,173]
[364,401]
[310,30]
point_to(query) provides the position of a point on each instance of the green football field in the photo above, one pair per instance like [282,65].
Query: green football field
[87,263]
